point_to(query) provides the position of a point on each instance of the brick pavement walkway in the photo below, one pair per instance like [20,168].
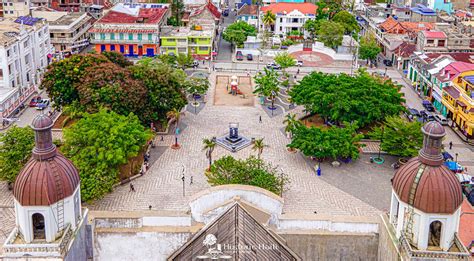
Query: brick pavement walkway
[161,187]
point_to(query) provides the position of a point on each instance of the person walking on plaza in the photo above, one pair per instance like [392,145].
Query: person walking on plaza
[260,118]
[132,188]
[450,145]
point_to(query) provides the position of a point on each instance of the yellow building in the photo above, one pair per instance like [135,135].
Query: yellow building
[459,101]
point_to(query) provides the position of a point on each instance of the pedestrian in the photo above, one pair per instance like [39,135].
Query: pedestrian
[450,145]
[132,188]
[149,207]
[295,76]
[298,72]
[203,62]
[260,118]
[191,180]
[147,166]
[161,137]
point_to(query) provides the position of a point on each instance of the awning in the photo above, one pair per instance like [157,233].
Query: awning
[460,103]
[452,91]
[436,96]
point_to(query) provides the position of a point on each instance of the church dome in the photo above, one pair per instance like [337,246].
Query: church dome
[436,189]
[48,177]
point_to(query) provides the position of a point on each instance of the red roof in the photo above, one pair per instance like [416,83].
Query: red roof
[405,49]
[145,15]
[435,34]
[120,30]
[390,25]
[466,223]
[280,8]
[460,57]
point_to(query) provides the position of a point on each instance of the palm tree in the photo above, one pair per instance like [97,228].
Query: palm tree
[175,114]
[258,146]
[209,145]
[268,19]
[291,123]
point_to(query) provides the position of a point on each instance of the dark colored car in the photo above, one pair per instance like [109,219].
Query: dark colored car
[225,12]
[428,106]
[34,101]
[249,57]
[427,116]
[387,62]
[413,114]
[239,56]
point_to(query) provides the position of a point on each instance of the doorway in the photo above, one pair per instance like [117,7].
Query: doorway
[434,239]
[38,226]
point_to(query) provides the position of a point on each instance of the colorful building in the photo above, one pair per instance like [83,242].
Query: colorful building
[133,30]
[195,40]
[459,101]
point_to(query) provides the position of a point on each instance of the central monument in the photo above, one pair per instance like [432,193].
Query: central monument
[233,141]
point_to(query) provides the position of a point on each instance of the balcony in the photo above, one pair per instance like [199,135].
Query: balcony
[456,252]
[123,41]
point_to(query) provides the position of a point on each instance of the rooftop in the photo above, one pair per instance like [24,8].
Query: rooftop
[248,10]
[167,31]
[9,30]
[435,34]
[284,8]
[130,14]
[67,19]
[391,25]
[405,49]
[423,10]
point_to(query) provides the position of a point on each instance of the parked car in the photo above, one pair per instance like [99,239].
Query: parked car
[34,101]
[387,62]
[239,56]
[249,57]
[225,12]
[413,114]
[428,106]
[441,119]
[273,65]
[195,64]
[299,63]
[42,104]
[427,116]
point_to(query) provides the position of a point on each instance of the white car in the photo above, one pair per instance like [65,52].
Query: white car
[42,104]
[299,63]
[441,119]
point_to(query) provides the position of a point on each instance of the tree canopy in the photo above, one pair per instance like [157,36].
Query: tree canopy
[149,89]
[344,98]
[312,26]
[285,60]
[237,32]
[251,171]
[117,58]
[15,150]
[400,137]
[330,33]
[184,60]
[197,85]
[332,143]
[266,83]
[369,48]
[347,20]
[98,144]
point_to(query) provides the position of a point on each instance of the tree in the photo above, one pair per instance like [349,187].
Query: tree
[165,58]
[251,171]
[267,84]
[347,20]
[197,86]
[291,123]
[209,146]
[177,8]
[369,48]
[400,137]
[312,26]
[268,19]
[98,144]
[333,143]
[330,33]
[117,58]
[258,146]
[237,32]
[184,60]
[344,98]
[15,150]
[285,61]
[61,78]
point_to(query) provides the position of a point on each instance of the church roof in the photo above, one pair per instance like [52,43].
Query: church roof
[240,236]
[48,177]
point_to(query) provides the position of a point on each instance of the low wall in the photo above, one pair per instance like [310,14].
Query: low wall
[333,246]
[295,48]
[320,48]
[218,197]
[388,250]
[329,223]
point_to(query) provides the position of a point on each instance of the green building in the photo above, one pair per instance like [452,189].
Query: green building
[197,41]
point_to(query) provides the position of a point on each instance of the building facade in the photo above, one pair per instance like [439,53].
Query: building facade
[13,9]
[68,32]
[459,101]
[248,14]
[133,30]
[24,56]
[290,17]
[198,43]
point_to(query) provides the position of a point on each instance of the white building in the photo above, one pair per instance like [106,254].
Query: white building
[289,17]
[426,202]
[16,8]
[23,57]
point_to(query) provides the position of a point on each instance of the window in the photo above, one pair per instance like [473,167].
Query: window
[14,49]
[130,36]
[203,48]
[39,33]
[102,36]
[38,226]
[1,73]
[441,43]
[51,35]
[121,36]
[294,20]
[27,59]
[139,37]
[430,41]
[181,50]
[112,36]
[281,28]
[10,69]
[28,76]
[150,37]
[8,53]
[281,20]
[11,4]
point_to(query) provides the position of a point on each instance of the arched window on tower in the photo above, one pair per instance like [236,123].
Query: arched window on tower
[435,234]
[38,226]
